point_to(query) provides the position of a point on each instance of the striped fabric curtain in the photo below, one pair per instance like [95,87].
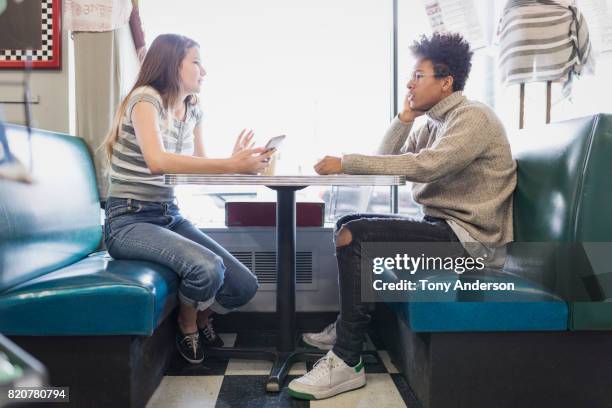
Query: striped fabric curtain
[543,40]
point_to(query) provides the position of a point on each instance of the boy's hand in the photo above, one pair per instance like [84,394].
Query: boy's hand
[329,165]
[408,114]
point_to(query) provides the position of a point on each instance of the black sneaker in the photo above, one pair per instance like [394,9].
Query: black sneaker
[209,337]
[189,347]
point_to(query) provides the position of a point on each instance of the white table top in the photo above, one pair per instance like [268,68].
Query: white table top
[240,179]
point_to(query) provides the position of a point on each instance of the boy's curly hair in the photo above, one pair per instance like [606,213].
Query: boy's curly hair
[449,53]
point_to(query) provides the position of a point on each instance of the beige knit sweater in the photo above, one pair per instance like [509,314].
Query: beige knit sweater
[460,165]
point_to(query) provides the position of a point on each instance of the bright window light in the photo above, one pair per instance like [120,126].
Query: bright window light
[317,71]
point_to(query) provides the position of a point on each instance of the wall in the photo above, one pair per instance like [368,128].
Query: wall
[53,111]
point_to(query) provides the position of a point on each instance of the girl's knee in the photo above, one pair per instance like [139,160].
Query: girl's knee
[209,274]
[247,285]
[217,273]
[250,288]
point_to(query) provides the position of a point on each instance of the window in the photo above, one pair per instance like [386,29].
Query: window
[321,73]
[484,83]
[317,71]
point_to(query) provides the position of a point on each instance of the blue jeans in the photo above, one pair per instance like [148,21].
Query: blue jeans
[210,277]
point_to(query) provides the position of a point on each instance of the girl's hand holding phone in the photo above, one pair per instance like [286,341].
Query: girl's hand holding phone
[251,161]
[243,141]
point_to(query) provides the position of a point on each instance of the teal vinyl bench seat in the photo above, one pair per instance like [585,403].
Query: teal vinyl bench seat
[95,296]
[561,204]
[564,196]
[547,343]
[52,282]
[100,326]
[529,307]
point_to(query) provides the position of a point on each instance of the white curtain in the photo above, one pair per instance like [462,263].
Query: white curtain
[106,67]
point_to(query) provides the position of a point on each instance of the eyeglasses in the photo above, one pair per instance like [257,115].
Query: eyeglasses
[417,76]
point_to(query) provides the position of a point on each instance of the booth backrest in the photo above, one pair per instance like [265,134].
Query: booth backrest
[54,221]
[562,199]
[594,217]
[564,190]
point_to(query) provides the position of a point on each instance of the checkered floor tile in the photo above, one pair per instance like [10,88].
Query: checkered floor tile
[223,383]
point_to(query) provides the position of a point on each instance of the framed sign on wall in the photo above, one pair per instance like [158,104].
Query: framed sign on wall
[30,30]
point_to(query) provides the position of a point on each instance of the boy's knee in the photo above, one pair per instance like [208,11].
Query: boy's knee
[343,220]
[344,237]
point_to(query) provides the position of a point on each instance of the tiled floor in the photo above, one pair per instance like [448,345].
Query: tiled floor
[241,383]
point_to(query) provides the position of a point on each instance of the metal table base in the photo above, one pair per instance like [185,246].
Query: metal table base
[285,354]
[281,360]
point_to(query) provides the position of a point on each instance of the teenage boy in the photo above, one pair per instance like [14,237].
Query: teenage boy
[463,177]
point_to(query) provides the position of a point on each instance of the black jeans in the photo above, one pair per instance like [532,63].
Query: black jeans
[352,322]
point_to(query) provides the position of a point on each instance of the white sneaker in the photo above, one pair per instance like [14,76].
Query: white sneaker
[330,376]
[323,340]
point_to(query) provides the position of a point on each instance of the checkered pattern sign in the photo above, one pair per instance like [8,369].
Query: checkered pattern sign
[45,53]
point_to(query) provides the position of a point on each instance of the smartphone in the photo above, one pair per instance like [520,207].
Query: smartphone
[274,142]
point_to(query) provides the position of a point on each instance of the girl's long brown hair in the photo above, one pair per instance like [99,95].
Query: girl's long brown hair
[160,70]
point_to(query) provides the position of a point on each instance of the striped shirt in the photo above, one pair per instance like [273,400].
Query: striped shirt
[129,175]
[542,40]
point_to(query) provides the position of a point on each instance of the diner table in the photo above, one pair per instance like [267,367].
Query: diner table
[285,354]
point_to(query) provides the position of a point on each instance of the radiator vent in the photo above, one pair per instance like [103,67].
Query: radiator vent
[246,258]
[303,267]
[263,265]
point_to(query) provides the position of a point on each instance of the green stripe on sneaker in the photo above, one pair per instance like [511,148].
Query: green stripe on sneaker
[300,395]
[359,366]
